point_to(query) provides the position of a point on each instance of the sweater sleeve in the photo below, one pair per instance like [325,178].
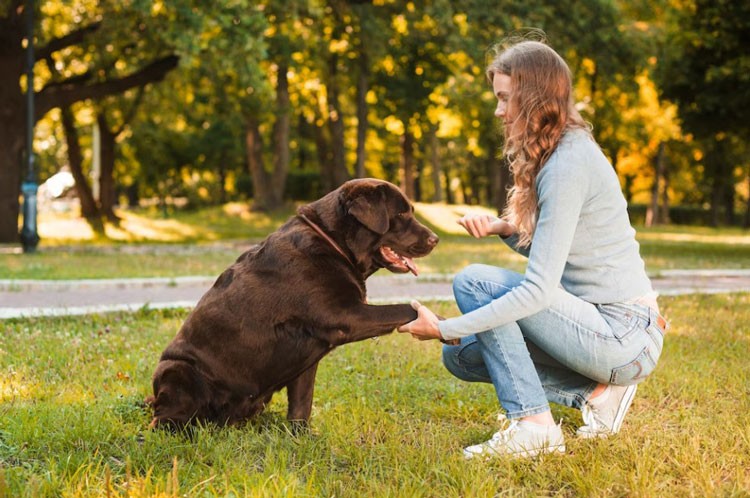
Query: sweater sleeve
[561,190]
[512,242]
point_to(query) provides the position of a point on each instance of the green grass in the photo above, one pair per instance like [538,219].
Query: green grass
[205,242]
[388,420]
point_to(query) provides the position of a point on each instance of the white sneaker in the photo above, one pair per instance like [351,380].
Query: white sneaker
[604,414]
[520,439]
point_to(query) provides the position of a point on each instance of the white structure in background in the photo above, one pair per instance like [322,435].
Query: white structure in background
[58,192]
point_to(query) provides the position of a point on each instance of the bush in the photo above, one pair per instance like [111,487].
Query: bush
[300,186]
[303,186]
[681,215]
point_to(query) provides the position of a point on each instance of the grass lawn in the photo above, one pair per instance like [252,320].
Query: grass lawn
[205,242]
[388,420]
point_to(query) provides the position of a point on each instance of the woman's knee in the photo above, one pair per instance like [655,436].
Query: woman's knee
[450,359]
[478,284]
[466,278]
[465,361]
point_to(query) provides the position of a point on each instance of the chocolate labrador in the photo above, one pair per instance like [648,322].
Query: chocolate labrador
[286,303]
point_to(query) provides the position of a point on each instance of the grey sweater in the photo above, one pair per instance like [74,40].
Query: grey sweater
[583,241]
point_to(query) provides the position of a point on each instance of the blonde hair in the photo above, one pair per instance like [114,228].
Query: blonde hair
[542,97]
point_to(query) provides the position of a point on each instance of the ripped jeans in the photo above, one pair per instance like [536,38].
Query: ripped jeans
[559,354]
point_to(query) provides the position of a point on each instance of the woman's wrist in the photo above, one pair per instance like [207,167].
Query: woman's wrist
[450,342]
[502,228]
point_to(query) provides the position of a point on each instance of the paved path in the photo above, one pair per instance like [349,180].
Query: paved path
[19,298]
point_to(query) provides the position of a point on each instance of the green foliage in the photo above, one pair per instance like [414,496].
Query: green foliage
[707,70]
[388,420]
[424,64]
[416,61]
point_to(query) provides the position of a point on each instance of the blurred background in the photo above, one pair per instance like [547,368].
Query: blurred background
[184,104]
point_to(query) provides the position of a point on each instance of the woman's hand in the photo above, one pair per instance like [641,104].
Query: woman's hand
[425,327]
[482,225]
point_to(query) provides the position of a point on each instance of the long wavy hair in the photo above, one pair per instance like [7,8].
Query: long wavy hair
[541,97]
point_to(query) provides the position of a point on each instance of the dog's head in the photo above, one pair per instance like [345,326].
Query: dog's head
[375,221]
[180,395]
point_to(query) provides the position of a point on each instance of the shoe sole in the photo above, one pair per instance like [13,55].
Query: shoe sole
[627,400]
[521,454]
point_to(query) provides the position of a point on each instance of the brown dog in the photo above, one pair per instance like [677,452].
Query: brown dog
[284,304]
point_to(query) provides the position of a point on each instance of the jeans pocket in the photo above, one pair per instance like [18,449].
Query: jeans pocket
[635,371]
[623,319]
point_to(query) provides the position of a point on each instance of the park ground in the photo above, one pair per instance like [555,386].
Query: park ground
[387,420]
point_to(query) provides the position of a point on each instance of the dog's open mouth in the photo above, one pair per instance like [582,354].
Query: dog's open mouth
[398,261]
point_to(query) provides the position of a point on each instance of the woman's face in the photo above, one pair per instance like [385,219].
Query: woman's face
[501,87]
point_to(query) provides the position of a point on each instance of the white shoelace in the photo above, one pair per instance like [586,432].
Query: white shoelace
[505,434]
[589,413]
[589,417]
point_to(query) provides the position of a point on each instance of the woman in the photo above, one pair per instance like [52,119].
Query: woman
[581,327]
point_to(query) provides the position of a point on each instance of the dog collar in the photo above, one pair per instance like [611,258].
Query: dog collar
[327,238]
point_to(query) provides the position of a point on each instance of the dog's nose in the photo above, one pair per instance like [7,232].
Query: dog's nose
[433,240]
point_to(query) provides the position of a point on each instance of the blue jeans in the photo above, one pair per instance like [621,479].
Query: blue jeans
[559,354]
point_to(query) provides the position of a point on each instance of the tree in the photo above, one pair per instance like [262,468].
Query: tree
[280,40]
[108,149]
[706,74]
[54,94]
[411,71]
[222,89]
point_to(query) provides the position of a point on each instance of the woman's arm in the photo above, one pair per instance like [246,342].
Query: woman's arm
[562,190]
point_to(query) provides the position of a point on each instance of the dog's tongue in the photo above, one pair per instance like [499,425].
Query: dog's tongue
[410,265]
[397,259]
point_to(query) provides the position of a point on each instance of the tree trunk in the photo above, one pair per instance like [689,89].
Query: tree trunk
[89,209]
[715,197]
[108,147]
[627,189]
[652,212]
[11,159]
[268,188]
[448,191]
[722,190]
[323,150]
[418,167]
[275,198]
[728,190]
[407,163]
[664,208]
[222,167]
[362,108]
[257,170]
[746,223]
[336,124]
[107,197]
[12,124]
[437,166]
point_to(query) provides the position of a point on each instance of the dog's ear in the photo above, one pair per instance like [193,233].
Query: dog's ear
[369,208]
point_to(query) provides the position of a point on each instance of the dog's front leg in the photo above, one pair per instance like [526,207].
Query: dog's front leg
[366,321]
[300,395]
